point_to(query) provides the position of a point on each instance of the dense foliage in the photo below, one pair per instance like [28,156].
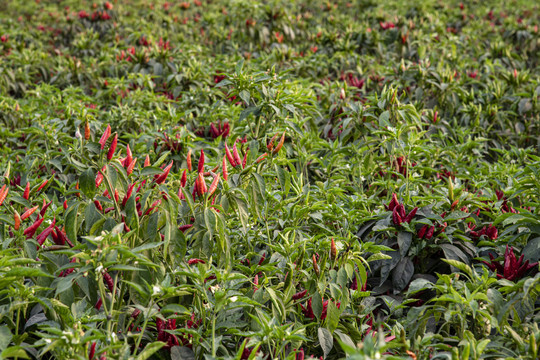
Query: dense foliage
[279,179]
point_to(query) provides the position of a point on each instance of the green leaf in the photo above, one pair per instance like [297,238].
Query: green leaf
[150,350]
[404,242]
[317,304]
[87,183]
[326,340]
[70,222]
[5,337]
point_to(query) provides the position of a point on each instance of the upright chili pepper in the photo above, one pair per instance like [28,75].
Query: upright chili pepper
[45,207]
[279,145]
[270,145]
[214,184]
[333,250]
[112,149]
[315,266]
[201,186]
[146,161]
[128,194]
[225,170]
[160,179]
[200,165]
[105,137]
[245,159]
[26,193]
[17,220]
[129,157]
[183,180]
[43,184]
[131,166]
[3,193]
[86,130]
[188,160]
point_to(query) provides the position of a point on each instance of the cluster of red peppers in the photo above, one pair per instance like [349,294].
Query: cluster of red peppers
[511,268]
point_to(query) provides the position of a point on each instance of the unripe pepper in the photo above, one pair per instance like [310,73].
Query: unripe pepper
[3,193]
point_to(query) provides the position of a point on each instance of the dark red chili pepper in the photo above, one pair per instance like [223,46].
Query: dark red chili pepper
[430,232]
[196,261]
[160,179]
[245,159]
[112,149]
[200,165]
[299,295]
[422,231]
[409,217]
[44,208]
[26,194]
[128,194]
[105,137]
[31,230]
[183,228]
[45,233]
[108,280]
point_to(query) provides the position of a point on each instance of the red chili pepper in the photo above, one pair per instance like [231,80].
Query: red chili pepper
[200,165]
[183,228]
[105,137]
[146,161]
[109,281]
[409,217]
[315,266]
[279,145]
[130,167]
[153,206]
[188,159]
[98,205]
[31,230]
[45,207]
[128,194]
[236,156]
[3,193]
[43,184]
[396,218]
[26,193]
[29,212]
[86,130]
[112,149]
[196,261]
[183,180]
[430,232]
[245,159]
[17,220]
[214,184]
[256,283]
[333,250]
[225,171]
[261,158]
[299,295]
[160,179]
[129,157]
[270,145]
[201,186]
[229,156]
[99,176]
[116,196]
[62,236]
[208,173]
[45,233]
[92,351]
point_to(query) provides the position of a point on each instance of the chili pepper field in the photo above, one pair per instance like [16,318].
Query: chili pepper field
[237,179]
